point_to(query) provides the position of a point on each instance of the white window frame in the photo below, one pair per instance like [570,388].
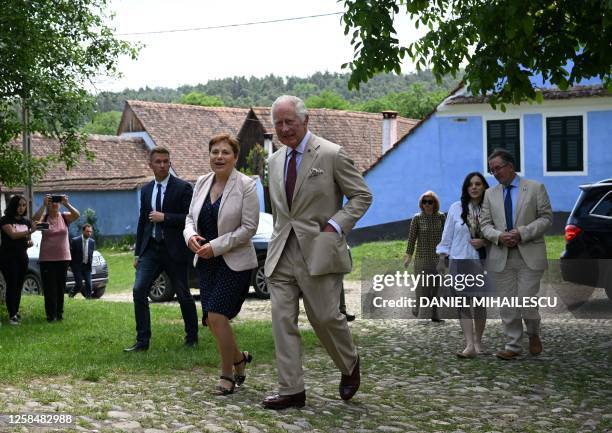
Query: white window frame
[585,147]
[485,150]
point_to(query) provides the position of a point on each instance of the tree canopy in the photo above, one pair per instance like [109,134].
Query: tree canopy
[49,51]
[504,42]
[105,123]
[261,92]
[327,99]
[197,98]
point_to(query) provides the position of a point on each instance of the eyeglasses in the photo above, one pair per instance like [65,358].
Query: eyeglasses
[428,202]
[494,170]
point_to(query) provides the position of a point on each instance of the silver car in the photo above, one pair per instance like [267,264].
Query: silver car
[32,284]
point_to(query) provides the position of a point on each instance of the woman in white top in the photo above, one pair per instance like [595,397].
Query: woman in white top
[462,242]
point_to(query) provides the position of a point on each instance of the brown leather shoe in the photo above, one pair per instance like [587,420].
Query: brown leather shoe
[350,384]
[277,401]
[506,355]
[535,345]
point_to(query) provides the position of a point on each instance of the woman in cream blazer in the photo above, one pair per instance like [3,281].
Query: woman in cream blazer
[222,219]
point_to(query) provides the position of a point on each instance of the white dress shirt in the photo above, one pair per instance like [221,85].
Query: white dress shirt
[164,185]
[85,249]
[456,236]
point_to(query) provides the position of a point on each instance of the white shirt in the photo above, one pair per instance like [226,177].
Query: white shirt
[456,236]
[164,185]
[85,249]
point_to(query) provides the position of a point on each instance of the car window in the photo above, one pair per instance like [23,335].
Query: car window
[603,208]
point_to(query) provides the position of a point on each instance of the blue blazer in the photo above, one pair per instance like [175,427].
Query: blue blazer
[76,252]
[175,208]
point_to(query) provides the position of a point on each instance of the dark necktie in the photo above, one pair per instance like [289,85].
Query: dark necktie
[158,207]
[291,177]
[508,207]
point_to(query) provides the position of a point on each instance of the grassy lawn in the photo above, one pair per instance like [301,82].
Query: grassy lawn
[88,343]
[122,272]
[120,269]
[393,251]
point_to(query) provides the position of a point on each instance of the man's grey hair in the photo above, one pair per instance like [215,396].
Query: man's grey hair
[504,155]
[300,107]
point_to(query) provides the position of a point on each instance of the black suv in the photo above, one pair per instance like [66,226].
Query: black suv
[587,258]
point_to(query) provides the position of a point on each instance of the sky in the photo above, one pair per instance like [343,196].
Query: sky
[298,47]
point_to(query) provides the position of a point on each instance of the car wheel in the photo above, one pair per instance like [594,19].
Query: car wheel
[97,293]
[161,289]
[260,282]
[608,285]
[573,295]
[32,285]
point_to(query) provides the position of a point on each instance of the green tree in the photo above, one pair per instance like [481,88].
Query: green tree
[415,103]
[103,123]
[504,42]
[49,50]
[197,98]
[327,99]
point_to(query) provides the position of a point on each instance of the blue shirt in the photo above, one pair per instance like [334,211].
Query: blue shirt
[514,192]
[300,152]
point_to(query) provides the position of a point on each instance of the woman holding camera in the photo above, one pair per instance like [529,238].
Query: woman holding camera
[222,219]
[54,255]
[15,231]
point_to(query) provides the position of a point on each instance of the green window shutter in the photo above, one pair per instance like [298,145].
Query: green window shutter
[564,146]
[505,134]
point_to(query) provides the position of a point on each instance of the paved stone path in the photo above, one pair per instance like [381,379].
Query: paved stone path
[411,382]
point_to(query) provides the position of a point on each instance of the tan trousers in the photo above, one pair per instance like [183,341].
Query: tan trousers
[517,280]
[321,295]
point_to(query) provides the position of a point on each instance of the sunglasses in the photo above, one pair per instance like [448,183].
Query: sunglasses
[427,202]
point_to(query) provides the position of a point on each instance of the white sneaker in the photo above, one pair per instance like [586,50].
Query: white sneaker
[14,321]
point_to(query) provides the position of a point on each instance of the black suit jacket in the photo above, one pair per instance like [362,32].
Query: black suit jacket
[76,252]
[175,208]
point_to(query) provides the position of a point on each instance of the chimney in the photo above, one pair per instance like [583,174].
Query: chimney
[389,130]
[268,144]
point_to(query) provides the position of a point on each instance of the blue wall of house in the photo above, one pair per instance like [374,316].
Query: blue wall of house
[117,211]
[444,149]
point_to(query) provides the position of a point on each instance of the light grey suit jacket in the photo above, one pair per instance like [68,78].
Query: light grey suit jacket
[236,223]
[532,217]
[326,174]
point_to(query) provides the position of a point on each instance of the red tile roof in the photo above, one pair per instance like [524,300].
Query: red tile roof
[548,94]
[120,164]
[185,130]
[359,133]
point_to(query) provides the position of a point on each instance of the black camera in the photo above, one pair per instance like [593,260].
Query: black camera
[57,198]
[43,226]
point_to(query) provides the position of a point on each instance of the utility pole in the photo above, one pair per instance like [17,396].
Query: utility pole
[27,153]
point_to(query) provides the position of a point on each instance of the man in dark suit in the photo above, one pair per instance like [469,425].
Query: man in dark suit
[81,252]
[164,203]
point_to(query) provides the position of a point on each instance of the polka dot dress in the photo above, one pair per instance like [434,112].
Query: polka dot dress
[222,290]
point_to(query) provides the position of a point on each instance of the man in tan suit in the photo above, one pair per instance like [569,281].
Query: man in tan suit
[515,215]
[308,255]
